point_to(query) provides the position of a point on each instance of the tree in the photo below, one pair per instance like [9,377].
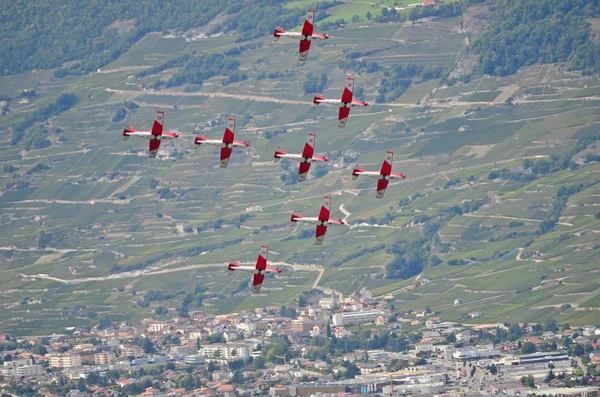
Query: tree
[161,311]
[259,363]
[473,369]
[528,348]
[550,376]
[579,350]
[211,366]
[39,349]
[147,345]
[528,381]
[302,301]
[186,382]
[369,15]
[237,377]
[493,369]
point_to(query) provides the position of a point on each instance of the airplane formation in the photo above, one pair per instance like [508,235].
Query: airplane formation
[306,158]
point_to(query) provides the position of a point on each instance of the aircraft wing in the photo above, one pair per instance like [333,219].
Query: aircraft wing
[157,127]
[324,214]
[303,171]
[257,282]
[381,186]
[154,145]
[261,265]
[304,47]
[229,134]
[348,89]
[320,234]
[309,147]
[261,261]
[386,167]
[307,28]
[225,154]
[343,116]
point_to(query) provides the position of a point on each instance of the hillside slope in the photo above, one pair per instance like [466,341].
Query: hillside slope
[499,211]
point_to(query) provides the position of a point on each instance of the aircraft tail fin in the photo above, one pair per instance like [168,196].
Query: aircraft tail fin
[126,132]
[316,100]
[232,265]
[278,152]
[198,140]
[355,171]
[277,32]
[295,216]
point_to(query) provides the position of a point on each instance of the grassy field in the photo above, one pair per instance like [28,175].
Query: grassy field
[111,235]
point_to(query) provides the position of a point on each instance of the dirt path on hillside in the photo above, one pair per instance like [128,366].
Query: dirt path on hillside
[242,97]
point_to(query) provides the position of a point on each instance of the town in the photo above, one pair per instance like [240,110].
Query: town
[327,345]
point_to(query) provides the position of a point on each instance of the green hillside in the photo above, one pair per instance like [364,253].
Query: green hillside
[499,209]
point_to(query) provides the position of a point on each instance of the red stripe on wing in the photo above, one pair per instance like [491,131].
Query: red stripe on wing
[154,144]
[157,128]
[225,153]
[344,113]
[304,167]
[347,95]
[257,281]
[304,46]
[382,184]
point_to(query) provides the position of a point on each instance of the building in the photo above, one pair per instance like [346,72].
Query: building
[301,325]
[184,349]
[543,357]
[475,354]
[21,368]
[227,351]
[64,360]
[157,327]
[103,358]
[194,359]
[361,317]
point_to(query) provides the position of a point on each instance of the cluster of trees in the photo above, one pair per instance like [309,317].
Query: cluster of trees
[412,256]
[355,255]
[36,138]
[399,77]
[199,68]
[560,201]
[538,31]
[314,83]
[122,112]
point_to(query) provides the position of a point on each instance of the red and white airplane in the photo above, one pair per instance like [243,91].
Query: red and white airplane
[345,101]
[306,158]
[305,37]
[383,176]
[227,144]
[259,270]
[322,221]
[155,135]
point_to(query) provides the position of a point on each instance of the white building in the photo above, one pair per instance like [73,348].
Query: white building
[157,327]
[362,317]
[227,351]
[22,368]
[64,360]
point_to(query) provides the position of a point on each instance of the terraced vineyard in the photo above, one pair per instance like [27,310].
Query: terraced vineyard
[94,228]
